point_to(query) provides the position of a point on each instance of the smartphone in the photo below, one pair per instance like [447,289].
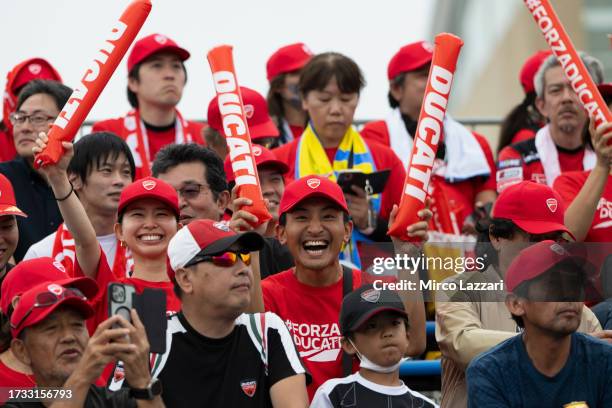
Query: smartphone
[376,181]
[121,300]
[150,306]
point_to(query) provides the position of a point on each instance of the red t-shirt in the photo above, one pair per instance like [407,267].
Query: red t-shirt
[7,146]
[384,158]
[568,186]
[157,140]
[461,195]
[105,275]
[13,379]
[311,315]
[296,131]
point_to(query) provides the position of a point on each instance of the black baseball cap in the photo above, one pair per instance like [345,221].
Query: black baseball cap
[364,303]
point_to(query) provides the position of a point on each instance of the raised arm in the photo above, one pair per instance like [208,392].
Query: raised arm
[73,213]
[579,215]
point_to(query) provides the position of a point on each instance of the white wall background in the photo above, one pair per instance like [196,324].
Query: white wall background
[67,32]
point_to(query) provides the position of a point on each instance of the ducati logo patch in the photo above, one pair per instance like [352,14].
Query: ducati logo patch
[34,69]
[161,39]
[220,225]
[257,150]
[313,183]
[249,387]
[371,295]
[551,203]
[249,111]
[55,289]
[149,185]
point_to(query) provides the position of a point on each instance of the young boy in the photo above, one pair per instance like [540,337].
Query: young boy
[374,324]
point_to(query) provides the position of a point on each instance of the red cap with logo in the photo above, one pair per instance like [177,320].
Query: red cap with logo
[8,204]
[149,187]
[533,207]
[311,186]
[152,44]
[263,157]
[207,237]
[43,299]
[288,59]
[256,110]
[530,67]
[32,272]
[410,58]
[538,258]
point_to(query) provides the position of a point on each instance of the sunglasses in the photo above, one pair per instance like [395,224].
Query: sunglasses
[47,299]
[224,260]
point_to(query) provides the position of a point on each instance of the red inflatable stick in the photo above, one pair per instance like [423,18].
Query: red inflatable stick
[429,131]
[575,71]
[93,82]
[236,130]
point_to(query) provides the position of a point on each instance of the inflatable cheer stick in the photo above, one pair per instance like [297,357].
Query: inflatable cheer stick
[573,67]
[93,82]
[428,134]
[236,130]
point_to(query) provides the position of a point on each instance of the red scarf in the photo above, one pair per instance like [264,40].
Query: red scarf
[138,140]
[64,251]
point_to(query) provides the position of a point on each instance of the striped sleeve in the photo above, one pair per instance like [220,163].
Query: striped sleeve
[283,358]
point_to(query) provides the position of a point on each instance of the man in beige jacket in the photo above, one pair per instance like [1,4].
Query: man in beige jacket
[471,322]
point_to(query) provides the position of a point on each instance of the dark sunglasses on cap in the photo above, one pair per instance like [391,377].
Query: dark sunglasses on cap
[47,299]
[224,259]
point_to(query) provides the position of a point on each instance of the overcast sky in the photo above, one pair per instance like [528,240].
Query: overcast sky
[67,33]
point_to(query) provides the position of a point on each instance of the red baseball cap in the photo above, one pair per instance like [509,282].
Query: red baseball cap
[32,272]
[409,58]
[263,157]
[149,187]
[8,204]
[256,110]
[538,258]
[530,67]
[40,301]
[533,207]
[36,68]
[288,59]
[207,237]
[311,186]
[152,44]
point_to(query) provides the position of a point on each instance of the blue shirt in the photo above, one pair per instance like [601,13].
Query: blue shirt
[505,377]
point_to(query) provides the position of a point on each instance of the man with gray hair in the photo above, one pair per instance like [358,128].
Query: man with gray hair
[560,146]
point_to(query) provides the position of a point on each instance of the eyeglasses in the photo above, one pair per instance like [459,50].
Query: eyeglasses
[36,119]
[47,299]
[224,260]
[191,191]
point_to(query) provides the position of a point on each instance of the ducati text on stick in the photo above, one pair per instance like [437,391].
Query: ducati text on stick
[234,127]
[428,134]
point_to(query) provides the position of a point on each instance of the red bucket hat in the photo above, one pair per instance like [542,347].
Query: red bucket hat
[152,44]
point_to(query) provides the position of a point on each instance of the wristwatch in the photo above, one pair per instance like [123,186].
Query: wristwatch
[153,389]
